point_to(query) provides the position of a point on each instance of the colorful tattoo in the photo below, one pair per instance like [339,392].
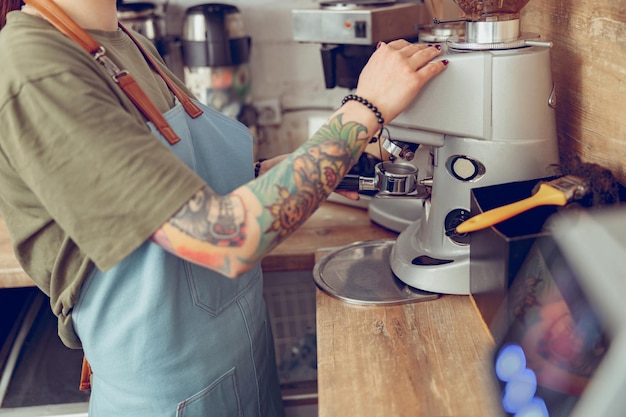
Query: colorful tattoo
[317,170]
[214,219]
[289,194]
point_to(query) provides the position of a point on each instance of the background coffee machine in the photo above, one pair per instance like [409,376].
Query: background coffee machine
[148,18]
[487,119]
[216,52]
[350,30]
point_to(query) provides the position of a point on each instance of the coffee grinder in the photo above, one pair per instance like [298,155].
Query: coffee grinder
[488,119]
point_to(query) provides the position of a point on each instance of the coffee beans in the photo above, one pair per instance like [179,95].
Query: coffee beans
[476,8]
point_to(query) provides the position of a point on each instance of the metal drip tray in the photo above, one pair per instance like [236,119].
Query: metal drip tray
[360,274]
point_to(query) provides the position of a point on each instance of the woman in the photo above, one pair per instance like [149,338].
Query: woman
[149,251]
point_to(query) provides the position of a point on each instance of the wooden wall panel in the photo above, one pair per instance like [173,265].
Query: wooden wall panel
[589,68]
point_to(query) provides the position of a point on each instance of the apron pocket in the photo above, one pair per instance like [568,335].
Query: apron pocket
[212,292]
[218,399]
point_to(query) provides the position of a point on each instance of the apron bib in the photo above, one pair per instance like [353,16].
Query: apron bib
[165,337]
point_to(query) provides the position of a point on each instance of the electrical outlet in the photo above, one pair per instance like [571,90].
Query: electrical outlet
[268,112]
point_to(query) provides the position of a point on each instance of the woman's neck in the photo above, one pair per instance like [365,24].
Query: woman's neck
[88,14]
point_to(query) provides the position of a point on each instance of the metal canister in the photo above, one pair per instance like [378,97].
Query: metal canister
[216,52]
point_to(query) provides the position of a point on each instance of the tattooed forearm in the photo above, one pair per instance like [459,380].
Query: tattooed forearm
[231,233]
[315,171]
[211,218]
[350,133]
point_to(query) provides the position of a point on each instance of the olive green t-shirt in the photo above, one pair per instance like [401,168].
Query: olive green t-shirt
[83,181]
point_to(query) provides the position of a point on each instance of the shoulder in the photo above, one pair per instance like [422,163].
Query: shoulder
[35,45]
[32,50]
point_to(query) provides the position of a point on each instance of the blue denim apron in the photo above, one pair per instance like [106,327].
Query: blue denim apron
[165,337]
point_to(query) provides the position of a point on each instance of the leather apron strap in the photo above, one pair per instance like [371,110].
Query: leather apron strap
[59,19]
[190,107]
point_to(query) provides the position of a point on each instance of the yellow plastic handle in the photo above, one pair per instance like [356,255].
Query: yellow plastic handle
[545,196]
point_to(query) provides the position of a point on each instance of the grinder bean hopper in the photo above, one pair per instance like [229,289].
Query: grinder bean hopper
[487,119]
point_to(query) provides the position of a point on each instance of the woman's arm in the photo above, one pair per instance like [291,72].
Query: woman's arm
[232,233]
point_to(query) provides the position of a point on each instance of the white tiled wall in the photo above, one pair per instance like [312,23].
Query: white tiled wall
[281,68]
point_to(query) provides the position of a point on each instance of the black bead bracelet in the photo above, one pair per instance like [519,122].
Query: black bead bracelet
[370,106]
[257,166]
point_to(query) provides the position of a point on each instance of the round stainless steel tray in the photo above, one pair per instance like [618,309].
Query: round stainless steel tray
[360,273]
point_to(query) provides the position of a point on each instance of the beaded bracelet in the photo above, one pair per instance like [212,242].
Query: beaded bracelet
[257,166]
[370,106]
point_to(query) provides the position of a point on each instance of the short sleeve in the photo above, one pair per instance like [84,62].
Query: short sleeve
[107,181]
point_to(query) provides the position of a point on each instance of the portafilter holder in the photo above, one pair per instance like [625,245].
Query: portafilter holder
[390,179]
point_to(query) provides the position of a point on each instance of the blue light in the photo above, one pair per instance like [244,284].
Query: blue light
[535,408]
[510,362]
[519,391]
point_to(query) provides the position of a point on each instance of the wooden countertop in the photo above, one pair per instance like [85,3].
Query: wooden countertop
[11,273]
[330,226]
[430,358]
[419,359]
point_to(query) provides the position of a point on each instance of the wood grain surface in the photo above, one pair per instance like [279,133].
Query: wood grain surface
[589,71]
[11,273]
[430,358]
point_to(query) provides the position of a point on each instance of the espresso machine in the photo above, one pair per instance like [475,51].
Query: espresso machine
[487,119]
[349,30]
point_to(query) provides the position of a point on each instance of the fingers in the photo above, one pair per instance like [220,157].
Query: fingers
[418,54]
[395,74]
[431,69]
[397,44]
[406,47]
[352,195]
[421,56]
